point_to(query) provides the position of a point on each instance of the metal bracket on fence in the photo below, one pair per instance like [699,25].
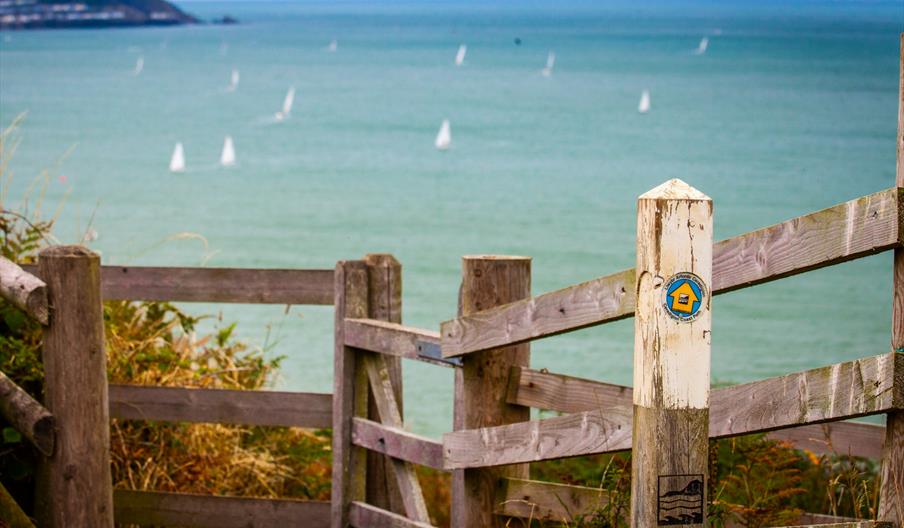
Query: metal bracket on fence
[431,352]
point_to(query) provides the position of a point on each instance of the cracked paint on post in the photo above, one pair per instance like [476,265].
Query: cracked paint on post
[672,358]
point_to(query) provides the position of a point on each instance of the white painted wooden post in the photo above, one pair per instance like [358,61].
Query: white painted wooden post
[672,357]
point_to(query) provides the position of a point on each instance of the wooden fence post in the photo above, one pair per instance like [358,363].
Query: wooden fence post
[349,393]
[672,357]
[75,486]
[891,493]
[384,303]
[481,384]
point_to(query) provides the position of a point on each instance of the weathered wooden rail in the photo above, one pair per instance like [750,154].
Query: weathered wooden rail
[214,285]
[493,440]
[858,228]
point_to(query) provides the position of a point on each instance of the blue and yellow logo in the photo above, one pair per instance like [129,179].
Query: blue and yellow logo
[684,295]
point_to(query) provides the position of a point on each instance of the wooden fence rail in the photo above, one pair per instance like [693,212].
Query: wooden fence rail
[215,285]
[851,389]
[154,508]
[858,228]
[397,443]
[564,394]
[547,501]
[239,407]
[24,290]
[27,416]
[568,394]
[396,340]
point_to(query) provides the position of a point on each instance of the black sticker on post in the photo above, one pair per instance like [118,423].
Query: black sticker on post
[680,500]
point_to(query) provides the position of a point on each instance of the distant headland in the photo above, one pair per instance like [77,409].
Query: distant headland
[51,14]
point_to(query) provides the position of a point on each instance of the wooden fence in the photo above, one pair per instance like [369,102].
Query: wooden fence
[64,292]
[493,440]
[494,382]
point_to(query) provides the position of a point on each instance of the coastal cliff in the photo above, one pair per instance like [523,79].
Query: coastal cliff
[50,14]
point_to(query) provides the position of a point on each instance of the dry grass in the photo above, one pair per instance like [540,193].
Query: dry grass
[156,344]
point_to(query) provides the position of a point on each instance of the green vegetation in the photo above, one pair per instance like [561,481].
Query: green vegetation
[754,482]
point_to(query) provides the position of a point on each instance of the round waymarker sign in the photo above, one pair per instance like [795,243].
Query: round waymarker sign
[683,296]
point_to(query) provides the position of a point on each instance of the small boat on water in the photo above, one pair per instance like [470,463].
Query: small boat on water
[233,80]
[333,46]
[550,63]
[701,48]
[227,157]
[177,162]
[444,136]
[287,105]
[644,106]
[139,66]
[460,56]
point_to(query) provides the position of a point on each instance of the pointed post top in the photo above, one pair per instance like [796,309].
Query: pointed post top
[675,189]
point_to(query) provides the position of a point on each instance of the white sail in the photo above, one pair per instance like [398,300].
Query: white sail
[227,158]
[139,66]
[287,105]
[550,63]
[444,136]
[460,56]
[177,162]
[701,48]
[644,105]
[234,80]
[334,45]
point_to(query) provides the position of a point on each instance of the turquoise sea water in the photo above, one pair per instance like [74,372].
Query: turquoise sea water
[792,109]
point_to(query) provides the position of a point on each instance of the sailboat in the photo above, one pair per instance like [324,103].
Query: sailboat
[234,80]
[334,45]
[177,162]
[644,105]
[287,105]
[227,158]
[550,62]
[139,66]
[701,48]
[444,136]
[460,56]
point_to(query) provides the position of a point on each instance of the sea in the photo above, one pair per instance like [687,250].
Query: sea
[791,109]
